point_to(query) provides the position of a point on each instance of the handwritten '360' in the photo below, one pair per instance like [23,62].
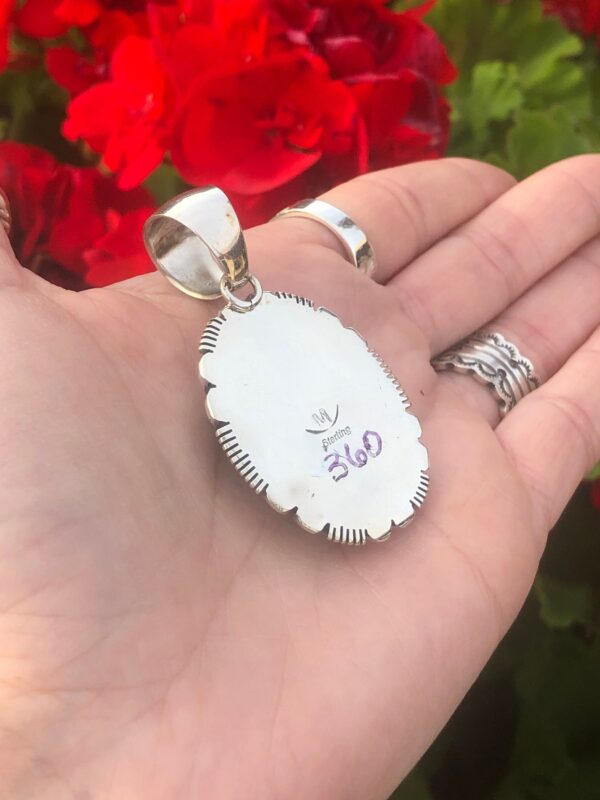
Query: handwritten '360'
[372,447]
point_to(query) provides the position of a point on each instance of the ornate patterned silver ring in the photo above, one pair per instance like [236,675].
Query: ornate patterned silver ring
[355,243]
[5,217]
[494,361]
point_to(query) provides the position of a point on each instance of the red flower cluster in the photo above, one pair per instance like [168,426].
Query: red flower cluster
[580,15]
[270,99]
[70,223]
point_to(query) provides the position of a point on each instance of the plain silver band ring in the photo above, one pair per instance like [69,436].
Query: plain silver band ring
[357,246]
[495,362]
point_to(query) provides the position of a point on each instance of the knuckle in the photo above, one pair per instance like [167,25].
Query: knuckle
[481,170]
[404,199]
[583,174]
[493,258]
[581,164]
[579,425]
[535,342]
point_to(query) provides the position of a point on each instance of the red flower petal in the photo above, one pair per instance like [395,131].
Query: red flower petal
[83,218]
[255,129]
[120,253]
[125,118]
[112,27]
[37,18]
[72,70]
[78,12]
[405,121]
[96,113]
[580,15]
[60,212]
[6,11]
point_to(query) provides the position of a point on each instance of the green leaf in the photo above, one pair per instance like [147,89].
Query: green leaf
[164,183]
[567,86]
[541,137]
[406,5]
[545,45]
[558,731]
[556,678]
[412,788]
[562,605]
[495,94]
[18,96]
[595,473]
[528,91]
[542,768]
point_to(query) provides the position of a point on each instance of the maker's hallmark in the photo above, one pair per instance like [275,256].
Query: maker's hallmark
[323,419]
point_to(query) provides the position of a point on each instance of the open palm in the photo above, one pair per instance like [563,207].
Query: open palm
[163,633]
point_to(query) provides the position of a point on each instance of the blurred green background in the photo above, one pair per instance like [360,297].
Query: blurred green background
[529,729]
[527,95]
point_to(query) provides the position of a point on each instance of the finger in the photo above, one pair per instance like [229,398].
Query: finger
[553,435]
[475,273]
[547,324]
[404,210]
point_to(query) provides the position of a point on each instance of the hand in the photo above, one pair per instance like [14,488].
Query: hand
[163,633]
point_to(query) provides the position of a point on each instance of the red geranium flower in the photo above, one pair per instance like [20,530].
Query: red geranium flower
[360,38]
[209,36]
[264,97]
[252,130]
[46,19]
[76,70]
[88,212]
[60,212]
[35,188]
[394,64]
[38,19]
[127,118]
[405,120]
[103,23]
[6,10]
[580,15]
[119,253]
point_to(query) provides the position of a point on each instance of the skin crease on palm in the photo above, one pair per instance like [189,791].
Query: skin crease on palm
[163,633]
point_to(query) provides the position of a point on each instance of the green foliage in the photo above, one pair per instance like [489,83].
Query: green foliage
[530,727]
[528,94]
[538,138]
[32,111]
[562,605]
[413,788]
[165,183]
[595,473]
[558,733]
[525,95]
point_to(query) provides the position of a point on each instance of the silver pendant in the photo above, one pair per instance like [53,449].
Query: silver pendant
[306,412]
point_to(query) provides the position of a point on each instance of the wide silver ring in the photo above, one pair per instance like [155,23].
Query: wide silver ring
[354,240]
[495,362]
[195,240]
